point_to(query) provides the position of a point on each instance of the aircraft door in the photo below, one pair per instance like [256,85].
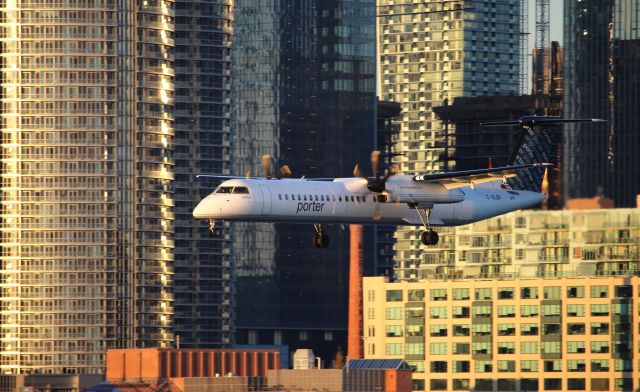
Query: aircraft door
[266,199]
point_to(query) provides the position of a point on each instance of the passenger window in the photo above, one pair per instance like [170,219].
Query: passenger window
[304,197]
[316,197]
[352,198]
[286,197]
[339,198]
[279,196]
[374,199]
[298,197]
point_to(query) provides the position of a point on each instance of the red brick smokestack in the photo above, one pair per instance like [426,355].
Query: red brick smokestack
[354,346]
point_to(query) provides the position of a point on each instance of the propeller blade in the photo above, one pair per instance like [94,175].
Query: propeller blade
[266,165]
[357,172]
[375,161]
[248,174]
[378,214]
[284,171]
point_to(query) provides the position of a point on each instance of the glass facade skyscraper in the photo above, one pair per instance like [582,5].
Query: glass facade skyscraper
[431,52]
[302,91]
[602,41]
[87,172]
[203,276]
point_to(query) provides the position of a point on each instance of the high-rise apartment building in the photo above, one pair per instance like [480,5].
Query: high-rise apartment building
[601,80]
[302,91]
[203,274]
[434,51]
[87,181]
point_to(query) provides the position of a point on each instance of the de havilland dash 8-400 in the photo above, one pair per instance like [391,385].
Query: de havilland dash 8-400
[430,200]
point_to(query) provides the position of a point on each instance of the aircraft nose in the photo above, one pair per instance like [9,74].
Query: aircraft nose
[199,211]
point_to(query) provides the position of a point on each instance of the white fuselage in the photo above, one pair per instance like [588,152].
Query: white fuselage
[347,200]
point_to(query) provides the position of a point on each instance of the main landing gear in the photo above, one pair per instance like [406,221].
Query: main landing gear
[213,232]
[321,239]
[429,236]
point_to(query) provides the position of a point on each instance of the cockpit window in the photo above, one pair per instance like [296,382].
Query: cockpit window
[241,189]
[224,189]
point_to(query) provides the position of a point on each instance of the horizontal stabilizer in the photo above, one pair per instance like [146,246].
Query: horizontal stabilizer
[539,120]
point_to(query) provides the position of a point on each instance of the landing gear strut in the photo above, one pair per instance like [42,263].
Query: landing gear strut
[429,236]
[321,239]
[213,232]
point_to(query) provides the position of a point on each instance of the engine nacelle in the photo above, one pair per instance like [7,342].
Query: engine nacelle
[399,190]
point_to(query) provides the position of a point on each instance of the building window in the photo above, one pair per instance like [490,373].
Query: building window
[528,366]
[460,294]
[506,366]
[505,311]
[461,312]
[482,311]
[461,330]
[415,330]
[416,312]
[599,328]
[599,291]
[599,365]
[623,384]
[414,349]
[506,384]
[438,349]
[599,384]
[417,366]
[483,294]
[506,329]
[551,310]
[393,349]
[506,348]
[484,384]
[439,366]
[303,335]
[328,336]
[576,365]
[529,293]
[481,348]
[575,292]
[252,337]
[438,312]
[575,347]
[551,329]
[623,365]
[394,295]
[575,329]
[506,293]
[575,310]
[528,347]
[529,310]
[394,331]
[436,384]
[576,384]
[529,329]
[461,348]
[438,294]
[529,384]
[552,292]
[416,295]
[394,313]
[624,291]
[461,384]
[599,347]
[621,309]
[552,366]
[438,330]
[551,347]
[484,366]
[481,329]
[552,384]
[599,309]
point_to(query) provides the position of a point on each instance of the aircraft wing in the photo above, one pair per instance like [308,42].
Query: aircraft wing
[458,179]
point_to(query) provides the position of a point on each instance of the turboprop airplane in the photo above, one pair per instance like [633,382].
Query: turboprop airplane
[430,200]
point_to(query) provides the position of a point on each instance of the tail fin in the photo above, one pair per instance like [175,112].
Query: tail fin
[537,142]
[534,145]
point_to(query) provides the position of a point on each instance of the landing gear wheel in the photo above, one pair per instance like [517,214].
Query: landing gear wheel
[429,237]
[321,240]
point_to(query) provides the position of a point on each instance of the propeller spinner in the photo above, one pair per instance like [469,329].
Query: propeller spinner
[376,183]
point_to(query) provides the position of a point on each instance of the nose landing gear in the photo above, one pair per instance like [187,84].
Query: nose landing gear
[321,239]
[213,232]
[429,236]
